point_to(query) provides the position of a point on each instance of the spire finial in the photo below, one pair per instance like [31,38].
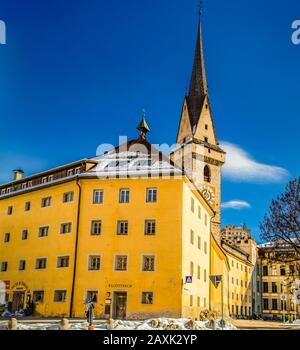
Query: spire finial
[200,9]
[143,126]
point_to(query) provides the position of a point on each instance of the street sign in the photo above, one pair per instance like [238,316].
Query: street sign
[188,279]
[216,280]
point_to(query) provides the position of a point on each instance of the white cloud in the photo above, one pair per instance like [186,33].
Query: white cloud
[241,167]
[236,204]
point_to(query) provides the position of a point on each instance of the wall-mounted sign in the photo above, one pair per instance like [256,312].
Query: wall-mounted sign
[188,279]
[120,285]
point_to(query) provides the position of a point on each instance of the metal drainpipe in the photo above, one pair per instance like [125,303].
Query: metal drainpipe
[76,248]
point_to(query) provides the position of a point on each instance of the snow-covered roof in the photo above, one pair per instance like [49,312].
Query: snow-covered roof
[132,164]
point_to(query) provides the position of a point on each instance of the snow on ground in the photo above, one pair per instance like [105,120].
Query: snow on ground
[150,325]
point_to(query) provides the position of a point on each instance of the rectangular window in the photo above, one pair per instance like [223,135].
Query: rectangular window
[27,206]
[60,296]
[205,247]
[124,196]
[22,265]
[199,273]
[46,202]
[65,228]
[265,270]
[63,261]
[148,263]
[205,220]
[147,298]
[70,172]
[50,178]
[205,276]
[98,197]
[265,287]
[41,263]
[92,295]
[24,235]
[274,287]
[282,271]
[4,266]
[192,237]
[191,268]
[96,227]
[192,205]
[44,180]
[94,262]
[9,210]
[121,263]
[6,237]
[44,231]
[199,242]
[191,300]
[266,304]
[199,212]
[232,280]
[150,227]
[38,296]
[68,197]
[198,302]
[151,195]
[122,228]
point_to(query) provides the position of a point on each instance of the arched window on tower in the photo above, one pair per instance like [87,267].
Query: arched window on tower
[207,175]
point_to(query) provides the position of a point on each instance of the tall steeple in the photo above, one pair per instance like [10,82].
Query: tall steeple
[198,84]
[198,151]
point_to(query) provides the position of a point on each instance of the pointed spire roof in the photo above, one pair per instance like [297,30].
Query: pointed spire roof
[143,128]
[198,85]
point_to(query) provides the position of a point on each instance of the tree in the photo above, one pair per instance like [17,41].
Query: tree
[281,225]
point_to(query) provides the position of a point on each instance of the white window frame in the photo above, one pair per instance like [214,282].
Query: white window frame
[100,192]
[115,262]
[96,255]
[151,190]
[155,262]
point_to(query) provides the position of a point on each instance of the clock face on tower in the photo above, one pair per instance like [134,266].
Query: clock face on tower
[208,192]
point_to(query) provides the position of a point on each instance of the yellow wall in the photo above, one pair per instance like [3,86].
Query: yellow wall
[171,246]
[34,247]
[165,245]
[219,266]
[195,254]
[240,287]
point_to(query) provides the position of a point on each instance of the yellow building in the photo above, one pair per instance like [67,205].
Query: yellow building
[103,228]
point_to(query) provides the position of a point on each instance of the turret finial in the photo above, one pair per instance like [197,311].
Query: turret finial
[143,126]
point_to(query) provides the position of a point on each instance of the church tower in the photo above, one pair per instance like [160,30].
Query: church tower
[198,151]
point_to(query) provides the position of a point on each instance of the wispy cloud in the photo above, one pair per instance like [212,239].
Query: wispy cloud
[236,205]
[9,162]
[241,167]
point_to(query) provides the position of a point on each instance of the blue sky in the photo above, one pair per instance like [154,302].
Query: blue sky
[76,74]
